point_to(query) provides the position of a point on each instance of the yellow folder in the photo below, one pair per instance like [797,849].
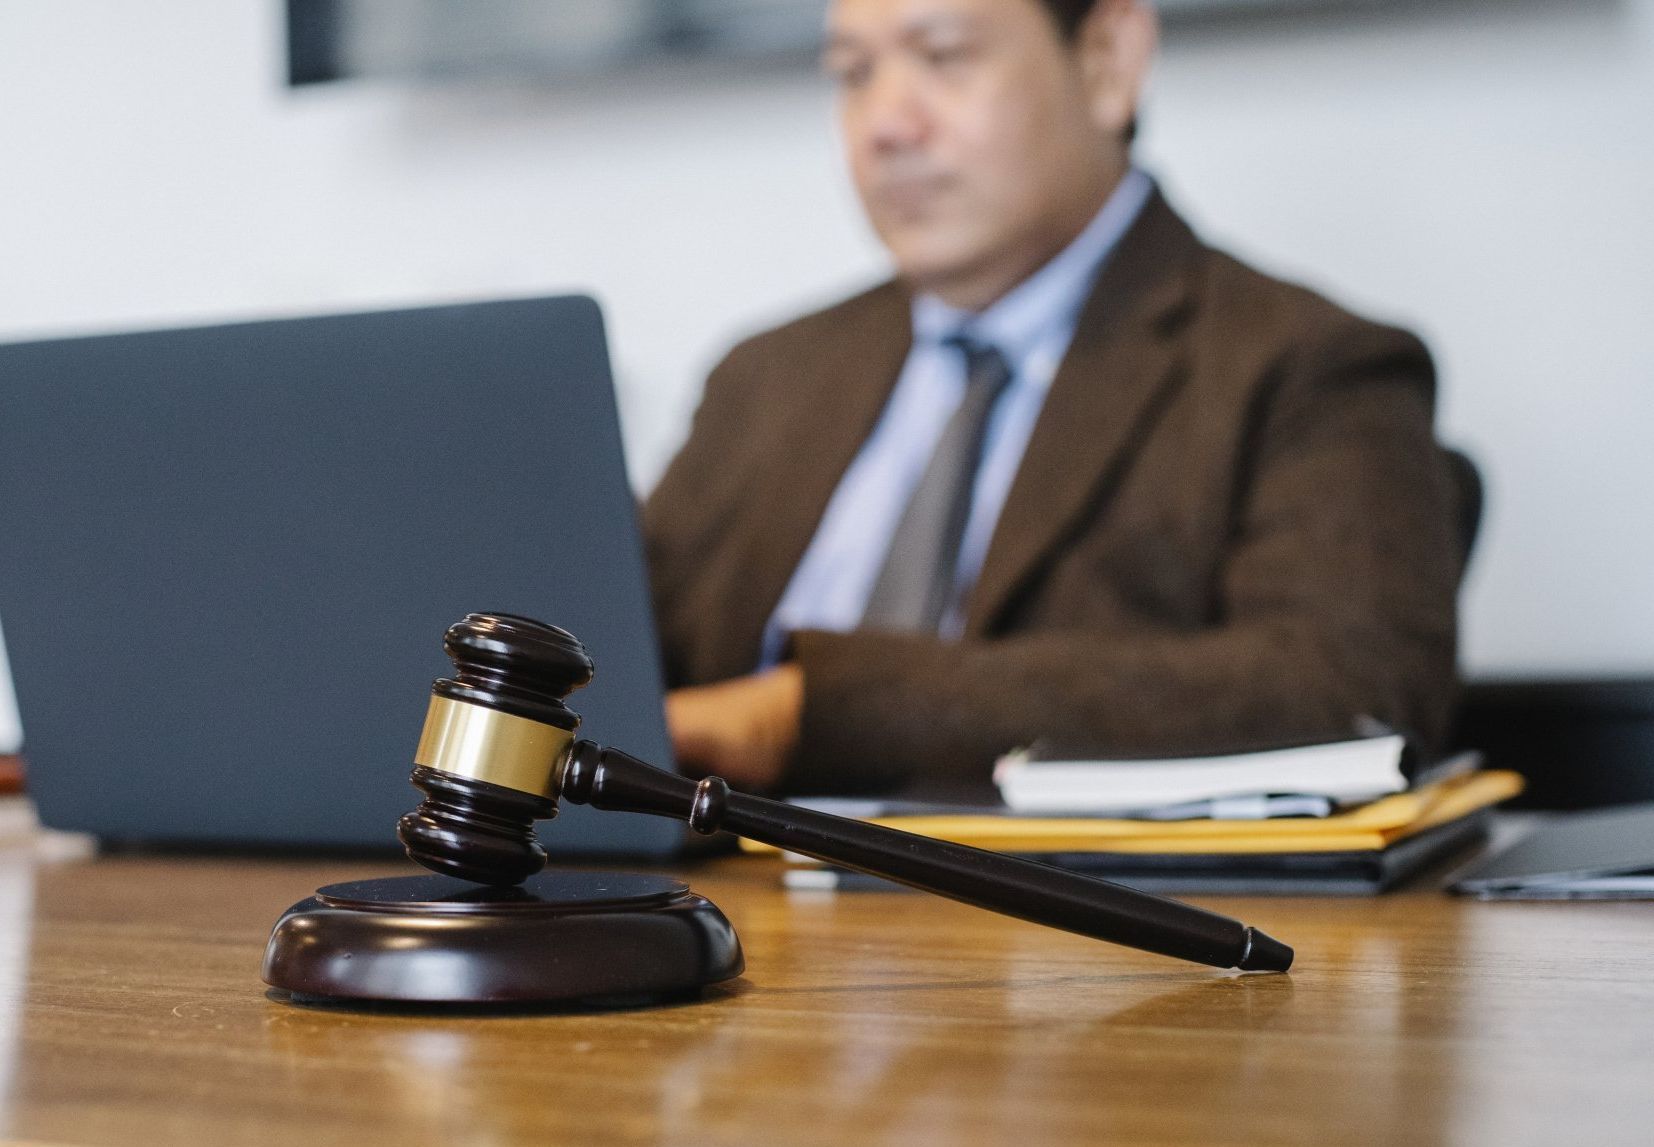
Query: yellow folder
[1366,828]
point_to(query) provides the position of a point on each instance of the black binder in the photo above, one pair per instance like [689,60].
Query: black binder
[1362,873]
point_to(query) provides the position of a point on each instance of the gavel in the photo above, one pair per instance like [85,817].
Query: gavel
[499,749]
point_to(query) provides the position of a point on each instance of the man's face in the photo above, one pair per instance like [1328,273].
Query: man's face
[969,137]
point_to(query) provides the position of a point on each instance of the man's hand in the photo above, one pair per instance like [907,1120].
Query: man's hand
[742,730]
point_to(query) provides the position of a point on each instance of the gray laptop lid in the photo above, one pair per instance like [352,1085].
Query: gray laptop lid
[230,554]
[1602,851]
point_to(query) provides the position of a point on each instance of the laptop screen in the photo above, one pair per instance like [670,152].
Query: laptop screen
[232,553]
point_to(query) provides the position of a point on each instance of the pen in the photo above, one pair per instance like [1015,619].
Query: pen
[610,779]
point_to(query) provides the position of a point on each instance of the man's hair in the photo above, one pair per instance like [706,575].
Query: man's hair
[1069,14]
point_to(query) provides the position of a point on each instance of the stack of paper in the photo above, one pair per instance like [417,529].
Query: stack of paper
[1342,773]
[1361,849]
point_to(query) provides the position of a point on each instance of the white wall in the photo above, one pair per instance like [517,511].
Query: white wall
[1484,172]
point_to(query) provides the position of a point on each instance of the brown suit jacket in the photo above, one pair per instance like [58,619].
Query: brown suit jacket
[1232,525]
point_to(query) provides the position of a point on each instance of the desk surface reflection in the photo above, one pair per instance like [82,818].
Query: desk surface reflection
[131,1011]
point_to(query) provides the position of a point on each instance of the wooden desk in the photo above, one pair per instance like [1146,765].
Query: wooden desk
[131,1012]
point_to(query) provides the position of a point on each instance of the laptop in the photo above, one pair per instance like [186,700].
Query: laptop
[231,553]
[1600,854]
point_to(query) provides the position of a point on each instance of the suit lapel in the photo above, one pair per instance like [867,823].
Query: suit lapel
[1121,364]
[838,395]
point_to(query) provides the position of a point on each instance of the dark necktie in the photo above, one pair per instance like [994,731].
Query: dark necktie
[915,584]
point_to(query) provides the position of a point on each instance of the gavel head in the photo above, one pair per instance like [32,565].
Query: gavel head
[491,756]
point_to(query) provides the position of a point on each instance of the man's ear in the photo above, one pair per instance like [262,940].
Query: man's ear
[1117,43]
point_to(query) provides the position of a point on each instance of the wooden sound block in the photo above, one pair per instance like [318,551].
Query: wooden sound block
[600,938]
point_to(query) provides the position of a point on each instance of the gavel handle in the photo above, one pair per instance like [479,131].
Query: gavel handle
[613,780]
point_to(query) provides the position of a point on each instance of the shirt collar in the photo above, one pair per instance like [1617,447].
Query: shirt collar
[1051,298]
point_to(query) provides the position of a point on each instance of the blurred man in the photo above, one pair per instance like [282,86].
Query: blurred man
[1073,476]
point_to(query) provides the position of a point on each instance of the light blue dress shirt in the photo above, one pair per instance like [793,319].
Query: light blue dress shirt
[1031,327]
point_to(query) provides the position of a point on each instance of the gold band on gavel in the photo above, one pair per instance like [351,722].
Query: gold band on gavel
[487,745]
